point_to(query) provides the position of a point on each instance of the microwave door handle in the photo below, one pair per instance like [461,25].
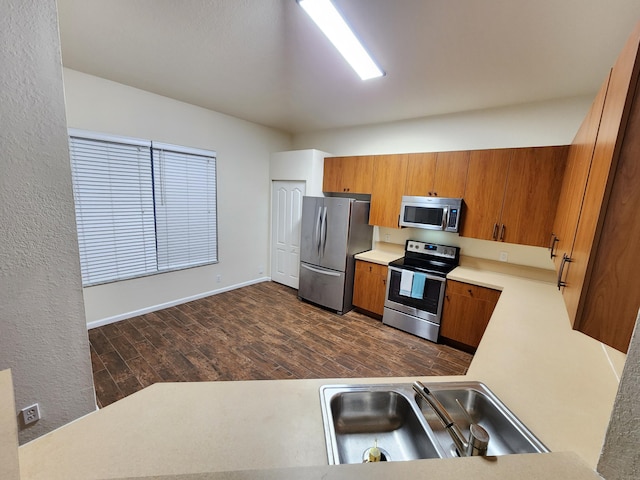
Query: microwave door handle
[445,217]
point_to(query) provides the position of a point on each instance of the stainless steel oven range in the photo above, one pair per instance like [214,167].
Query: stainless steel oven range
[415,288]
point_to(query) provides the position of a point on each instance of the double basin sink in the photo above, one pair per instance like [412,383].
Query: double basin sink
[402,425]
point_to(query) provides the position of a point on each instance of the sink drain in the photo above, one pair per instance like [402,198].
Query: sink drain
[454,450]
[384,455]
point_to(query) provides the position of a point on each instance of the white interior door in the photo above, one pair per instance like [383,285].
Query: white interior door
[286,216]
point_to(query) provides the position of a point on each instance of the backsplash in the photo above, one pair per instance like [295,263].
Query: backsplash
[516,254]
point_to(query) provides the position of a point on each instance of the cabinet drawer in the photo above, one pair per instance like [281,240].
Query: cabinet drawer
[371,268]
[473,291]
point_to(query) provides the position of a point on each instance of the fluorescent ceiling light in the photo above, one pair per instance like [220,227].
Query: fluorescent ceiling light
[336,29]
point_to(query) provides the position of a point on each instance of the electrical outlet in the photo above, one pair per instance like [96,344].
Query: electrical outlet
[260,270]
[504,256]
[30,414]
[218,278]
[387,237]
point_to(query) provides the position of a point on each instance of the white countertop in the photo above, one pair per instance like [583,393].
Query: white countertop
[560,383]
[383,253]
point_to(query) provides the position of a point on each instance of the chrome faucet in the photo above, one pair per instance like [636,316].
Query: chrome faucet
[478,440]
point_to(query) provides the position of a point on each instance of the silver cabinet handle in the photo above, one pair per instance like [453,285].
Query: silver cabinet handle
[552,247]
[495,231]
[502,229]
[565,259]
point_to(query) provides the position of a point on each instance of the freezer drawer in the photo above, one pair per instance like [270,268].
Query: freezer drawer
[323,287]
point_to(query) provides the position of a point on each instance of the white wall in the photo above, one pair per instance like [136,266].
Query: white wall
[243,157]
[43,337]
[547,123]
[303,165]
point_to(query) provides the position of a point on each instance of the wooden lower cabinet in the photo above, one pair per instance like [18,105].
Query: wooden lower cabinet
[370,287]
[466,313]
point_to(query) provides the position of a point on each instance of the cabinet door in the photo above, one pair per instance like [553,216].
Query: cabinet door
[421,174]
[531,195]
[575,180]
[332,179]
[601,280]
[389,176]
[451,174]
[369,288]
[484,193]
[348,174]
[466,312]
[612,299]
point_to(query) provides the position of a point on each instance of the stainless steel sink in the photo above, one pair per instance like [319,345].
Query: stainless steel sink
[507,433]
[404,426]
[357,417]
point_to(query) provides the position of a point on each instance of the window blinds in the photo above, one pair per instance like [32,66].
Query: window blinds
[141,210]
[185,188]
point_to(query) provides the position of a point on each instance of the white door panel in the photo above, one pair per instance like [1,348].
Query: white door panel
[286,219]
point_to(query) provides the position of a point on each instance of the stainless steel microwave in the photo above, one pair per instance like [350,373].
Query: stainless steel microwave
[433,213]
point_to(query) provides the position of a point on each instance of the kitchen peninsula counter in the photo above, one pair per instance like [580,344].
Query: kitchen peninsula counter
[560,383]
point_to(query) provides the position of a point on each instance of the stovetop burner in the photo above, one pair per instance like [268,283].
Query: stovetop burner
[429,258]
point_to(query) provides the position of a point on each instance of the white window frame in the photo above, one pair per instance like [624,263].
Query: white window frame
[151,238]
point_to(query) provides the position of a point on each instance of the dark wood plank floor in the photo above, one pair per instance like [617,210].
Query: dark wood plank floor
[254,333]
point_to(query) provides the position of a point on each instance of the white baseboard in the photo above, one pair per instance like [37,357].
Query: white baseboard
[173,303]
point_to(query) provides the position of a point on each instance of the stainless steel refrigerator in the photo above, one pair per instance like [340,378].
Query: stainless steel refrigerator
[333,230]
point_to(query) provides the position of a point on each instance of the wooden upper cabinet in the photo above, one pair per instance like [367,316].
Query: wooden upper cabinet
[451,174]
[389,173]
[348,174]
[511,194]
[442,174]
[484,193]
[421,174]
[531,195]
[600,282]
[575,180]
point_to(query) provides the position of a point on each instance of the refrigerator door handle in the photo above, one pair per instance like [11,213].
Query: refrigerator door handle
[316,235]
[324,230]
[317,270]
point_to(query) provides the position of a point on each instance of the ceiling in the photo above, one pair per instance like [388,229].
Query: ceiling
[264,61]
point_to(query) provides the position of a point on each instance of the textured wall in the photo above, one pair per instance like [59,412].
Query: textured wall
[620,457]
[43,336]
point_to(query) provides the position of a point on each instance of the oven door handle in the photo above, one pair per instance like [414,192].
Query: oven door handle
[429,275]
